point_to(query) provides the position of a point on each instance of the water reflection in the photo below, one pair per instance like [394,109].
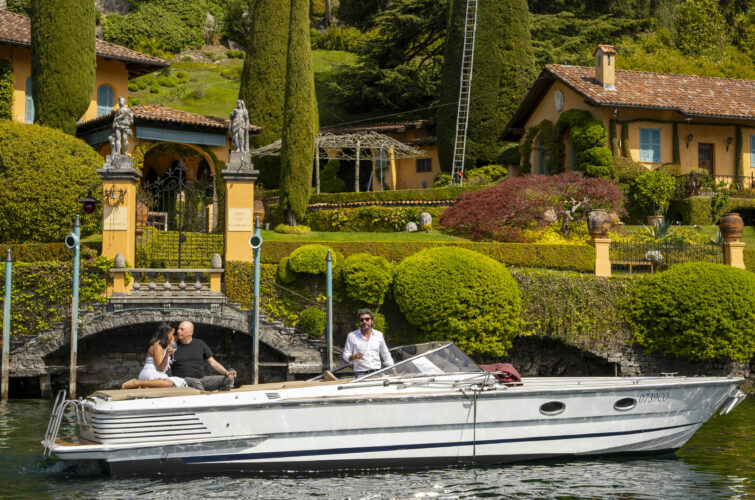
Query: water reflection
[717,463]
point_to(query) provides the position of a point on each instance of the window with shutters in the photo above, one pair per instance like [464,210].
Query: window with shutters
[650,145]
[29,102]
[105,99]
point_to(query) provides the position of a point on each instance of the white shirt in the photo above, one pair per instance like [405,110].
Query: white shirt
[373,349]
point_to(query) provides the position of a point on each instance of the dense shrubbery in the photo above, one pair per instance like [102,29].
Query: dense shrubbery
[653,191]
[505,211]
[626,170]
[480,176]
[43,175]
[6,90]
[312,321]
[461,296]
[367,278]
[155,27]
[329,180]
[696,310]
[310,259]
[45,252]
[434,194]
[339,38]
[370,218]
[300,229]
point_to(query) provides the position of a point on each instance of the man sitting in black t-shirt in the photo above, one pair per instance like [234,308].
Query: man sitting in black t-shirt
[189,358]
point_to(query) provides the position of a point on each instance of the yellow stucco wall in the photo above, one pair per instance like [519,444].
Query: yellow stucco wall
[109,72]
[407,176]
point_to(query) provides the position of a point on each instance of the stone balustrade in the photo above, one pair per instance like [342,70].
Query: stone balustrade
[164,281]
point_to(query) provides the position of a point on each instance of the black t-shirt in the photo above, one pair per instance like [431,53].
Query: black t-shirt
[189,359]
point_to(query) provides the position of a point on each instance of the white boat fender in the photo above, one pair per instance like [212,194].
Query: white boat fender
[732,402]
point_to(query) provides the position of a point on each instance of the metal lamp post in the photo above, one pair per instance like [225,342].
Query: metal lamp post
[73,241]
[256,242]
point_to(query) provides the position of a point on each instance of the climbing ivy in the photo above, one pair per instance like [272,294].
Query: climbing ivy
[6,90]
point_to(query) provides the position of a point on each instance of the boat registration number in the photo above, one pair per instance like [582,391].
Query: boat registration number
[653,397]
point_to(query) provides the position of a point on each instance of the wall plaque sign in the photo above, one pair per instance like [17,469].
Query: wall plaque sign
[240,219]
[115,218]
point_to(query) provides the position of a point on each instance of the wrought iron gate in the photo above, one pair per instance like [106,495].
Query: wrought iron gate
[177,219]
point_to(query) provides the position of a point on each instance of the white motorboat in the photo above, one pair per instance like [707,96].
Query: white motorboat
[435,408]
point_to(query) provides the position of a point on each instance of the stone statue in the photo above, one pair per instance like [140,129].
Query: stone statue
[122,122]
[239,128]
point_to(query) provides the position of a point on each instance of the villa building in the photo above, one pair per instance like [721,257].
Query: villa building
[652,118]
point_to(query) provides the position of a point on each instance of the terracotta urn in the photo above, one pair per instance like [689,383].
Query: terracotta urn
[142,210]
[598,223]
[654,219]
[731,226]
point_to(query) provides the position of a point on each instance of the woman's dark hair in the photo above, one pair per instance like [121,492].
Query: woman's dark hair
[161,335]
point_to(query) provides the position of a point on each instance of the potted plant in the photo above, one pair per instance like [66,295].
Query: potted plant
[653,191]
[731,227]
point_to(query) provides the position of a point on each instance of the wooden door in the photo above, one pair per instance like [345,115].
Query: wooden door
[705,157]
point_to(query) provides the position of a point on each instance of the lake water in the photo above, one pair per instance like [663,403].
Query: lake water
[718,462]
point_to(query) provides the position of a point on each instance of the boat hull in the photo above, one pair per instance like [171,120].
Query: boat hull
[367,427]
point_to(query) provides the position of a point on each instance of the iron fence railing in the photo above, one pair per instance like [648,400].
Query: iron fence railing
[702,184]
[653,256]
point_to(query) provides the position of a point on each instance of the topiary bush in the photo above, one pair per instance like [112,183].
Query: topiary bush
[595,162]
[285,275]
[461,296]
[367,278]
[43,175]
[653,191]
[310,259]
[626,170]
[329,181]
[312,321]
[298,230]
[695,310]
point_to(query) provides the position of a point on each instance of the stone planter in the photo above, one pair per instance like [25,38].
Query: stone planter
[598,223]
[654,219]
[731,227]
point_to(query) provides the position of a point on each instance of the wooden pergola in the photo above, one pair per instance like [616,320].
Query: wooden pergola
[364,145]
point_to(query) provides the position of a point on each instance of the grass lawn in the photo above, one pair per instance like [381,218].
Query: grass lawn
[748,235]
[346,236]
[212,88]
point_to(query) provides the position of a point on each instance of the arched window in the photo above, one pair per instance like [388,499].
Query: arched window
[105,99]
[29,102]
[542,162]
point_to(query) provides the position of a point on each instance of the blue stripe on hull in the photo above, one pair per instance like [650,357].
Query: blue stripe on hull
[370,449]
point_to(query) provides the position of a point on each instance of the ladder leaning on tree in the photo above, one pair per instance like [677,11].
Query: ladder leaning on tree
[465,88]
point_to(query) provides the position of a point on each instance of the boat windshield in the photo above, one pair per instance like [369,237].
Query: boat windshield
[443,360]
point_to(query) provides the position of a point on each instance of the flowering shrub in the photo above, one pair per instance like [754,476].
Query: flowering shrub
[506,212]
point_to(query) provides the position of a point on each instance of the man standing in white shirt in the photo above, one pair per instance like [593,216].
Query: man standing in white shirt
[365,347]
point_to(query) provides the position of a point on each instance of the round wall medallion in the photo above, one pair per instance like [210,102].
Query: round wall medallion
[558,100]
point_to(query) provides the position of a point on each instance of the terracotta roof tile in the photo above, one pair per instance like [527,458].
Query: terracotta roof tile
[166,115]
[691,95]
[381,128]
[16,30]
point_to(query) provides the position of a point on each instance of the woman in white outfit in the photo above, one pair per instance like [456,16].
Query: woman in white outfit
[158,361]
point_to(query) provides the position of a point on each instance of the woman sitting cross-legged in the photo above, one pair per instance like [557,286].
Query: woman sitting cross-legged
[158,361]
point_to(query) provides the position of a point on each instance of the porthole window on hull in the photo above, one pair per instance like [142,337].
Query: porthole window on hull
[625,404]
[552,408]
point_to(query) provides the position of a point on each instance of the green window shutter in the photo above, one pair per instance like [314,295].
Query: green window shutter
[752,151]
[105,98]
[655,139]
[29,102]
[650,144]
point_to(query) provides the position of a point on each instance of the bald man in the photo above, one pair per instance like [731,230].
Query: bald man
[189,358]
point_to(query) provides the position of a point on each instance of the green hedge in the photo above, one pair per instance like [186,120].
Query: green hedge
[697,209]
[367,278]
[368,219]
[41,292]
[44,252]
[6,90]
[578,309]
[750,259]
[565,257]
[430,194]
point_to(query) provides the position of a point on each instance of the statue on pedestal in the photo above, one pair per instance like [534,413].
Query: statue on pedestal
[123,120]
[239,128]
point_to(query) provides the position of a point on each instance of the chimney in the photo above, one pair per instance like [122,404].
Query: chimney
[3,5]
[605,65]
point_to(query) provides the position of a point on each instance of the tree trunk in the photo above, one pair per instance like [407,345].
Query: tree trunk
[328,17]
[356,171]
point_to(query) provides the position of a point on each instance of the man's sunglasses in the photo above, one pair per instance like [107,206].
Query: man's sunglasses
[365,319]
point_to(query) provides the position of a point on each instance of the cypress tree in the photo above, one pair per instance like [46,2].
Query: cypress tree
[503,70]
[63,61]
[299,118]
[263,79]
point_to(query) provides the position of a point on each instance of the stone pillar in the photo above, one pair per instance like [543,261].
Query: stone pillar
[239,177]
[119,185]
[393,168]
[602,256]
[734,254]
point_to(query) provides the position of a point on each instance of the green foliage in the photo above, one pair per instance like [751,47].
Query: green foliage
[435,194]
[551,256]
[368,219]
[300,121]
[588,138]
[626,170]
[697,209]
[45,252]
[285,274]
[6,90]
[695,310]
[235,54]
[653,191]
[22,7]
[345,38]
[509,155]
[43,175]
[312,321]
[367,278]
[485,175]
[577,309]
[701,28]
[42,292]
[201,246]
[329,180]
[460,296]
[503,72]
[360,13]
[310,259]
[159,27]
[300,229]
[399,60]
[63,62]
[595,162]
[263,80]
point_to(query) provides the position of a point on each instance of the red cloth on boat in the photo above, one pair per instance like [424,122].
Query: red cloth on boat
[508,372]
